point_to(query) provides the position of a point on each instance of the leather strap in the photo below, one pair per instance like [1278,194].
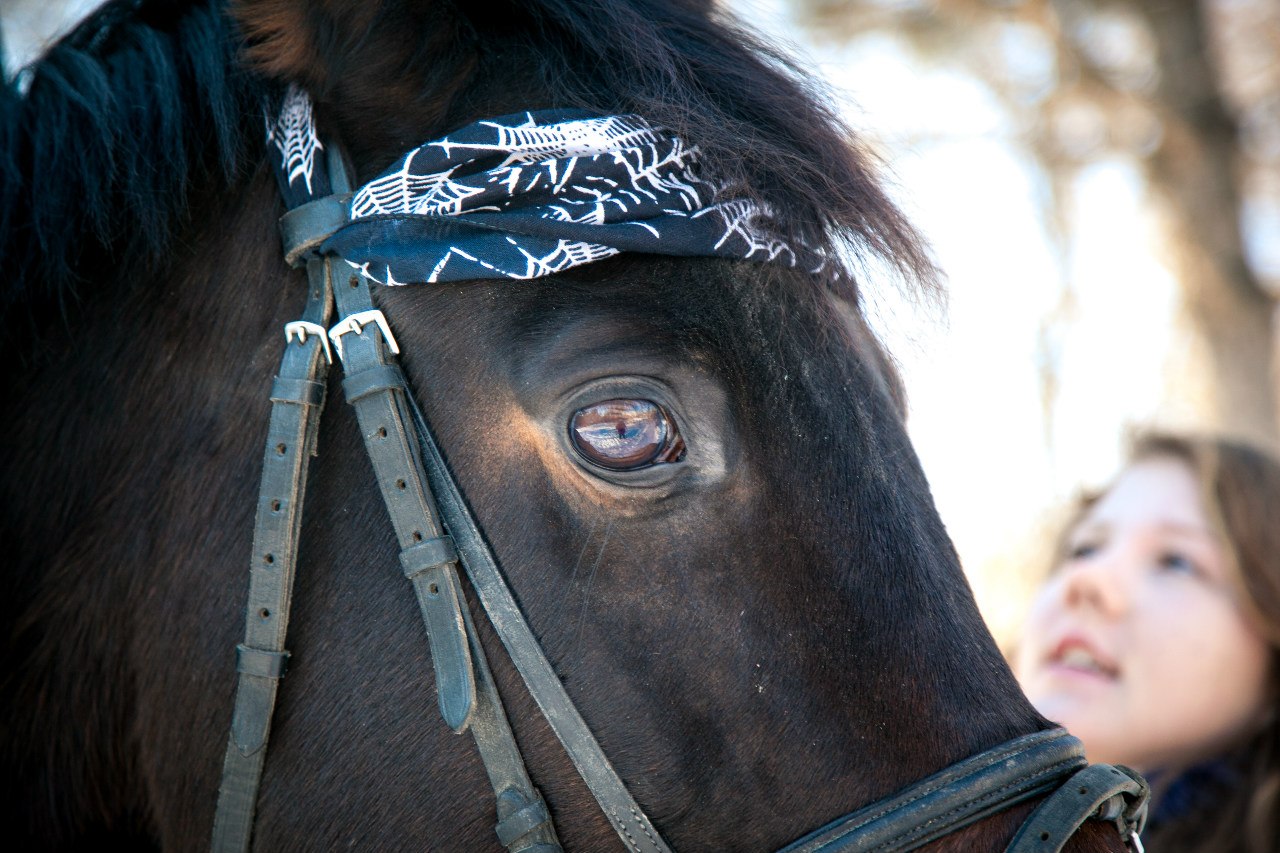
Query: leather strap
[261,663]
[308,225]
[467,696]
[1101,791]
[464,685]
[524,823]
[958,796]
[628,819]
[375,389]
[297,398]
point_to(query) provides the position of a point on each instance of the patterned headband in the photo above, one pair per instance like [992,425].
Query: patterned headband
[526,196]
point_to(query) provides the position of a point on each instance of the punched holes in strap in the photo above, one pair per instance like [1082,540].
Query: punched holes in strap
[304,392]
[260,662]
[427,555]
[384,377]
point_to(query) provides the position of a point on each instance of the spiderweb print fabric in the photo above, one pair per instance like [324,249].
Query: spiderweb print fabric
[293,145]
[530,195]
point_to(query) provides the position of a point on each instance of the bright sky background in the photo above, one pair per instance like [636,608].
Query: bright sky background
[28,24]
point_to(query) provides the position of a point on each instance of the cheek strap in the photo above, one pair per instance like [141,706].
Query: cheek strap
[1101,792]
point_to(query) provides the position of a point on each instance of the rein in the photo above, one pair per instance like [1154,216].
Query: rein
[437,533]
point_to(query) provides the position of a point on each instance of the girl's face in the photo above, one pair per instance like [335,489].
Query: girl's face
[1137,644]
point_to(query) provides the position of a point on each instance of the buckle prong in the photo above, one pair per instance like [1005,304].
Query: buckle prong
[356,323]
[301,328]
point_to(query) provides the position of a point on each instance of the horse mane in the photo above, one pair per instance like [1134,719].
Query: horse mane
[119,121]
[762,120]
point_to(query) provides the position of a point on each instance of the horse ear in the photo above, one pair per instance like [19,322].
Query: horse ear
[380,73]
[353,45]
[283,39]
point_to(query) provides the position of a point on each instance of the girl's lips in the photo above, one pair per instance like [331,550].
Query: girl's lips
[1075,653]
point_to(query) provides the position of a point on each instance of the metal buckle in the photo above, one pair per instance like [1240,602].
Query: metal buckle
[356,323]
[302,328]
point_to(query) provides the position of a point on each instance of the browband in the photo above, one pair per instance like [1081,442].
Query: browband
[528,195]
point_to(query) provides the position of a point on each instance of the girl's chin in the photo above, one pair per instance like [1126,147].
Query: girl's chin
[1075,710]
[1087,721]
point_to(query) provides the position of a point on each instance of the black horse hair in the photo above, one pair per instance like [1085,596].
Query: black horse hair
[120,120]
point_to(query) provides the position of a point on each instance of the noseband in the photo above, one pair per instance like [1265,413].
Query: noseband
[437,534]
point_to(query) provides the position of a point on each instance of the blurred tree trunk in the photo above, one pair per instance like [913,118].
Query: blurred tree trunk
[1179,123]
[1195,174]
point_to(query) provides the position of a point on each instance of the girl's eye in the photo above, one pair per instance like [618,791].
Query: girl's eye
[1082,551]
[1175,562]
[625,435]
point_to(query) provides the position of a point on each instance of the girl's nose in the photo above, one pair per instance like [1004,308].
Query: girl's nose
[1099,582]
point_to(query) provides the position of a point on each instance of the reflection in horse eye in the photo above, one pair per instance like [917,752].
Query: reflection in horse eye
[623,435]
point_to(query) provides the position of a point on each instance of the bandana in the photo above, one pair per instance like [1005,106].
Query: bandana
[529,195]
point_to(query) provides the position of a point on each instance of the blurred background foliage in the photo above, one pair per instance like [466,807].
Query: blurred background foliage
[1101,182]
[1186,91]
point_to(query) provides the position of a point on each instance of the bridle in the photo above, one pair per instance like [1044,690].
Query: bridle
[437,534]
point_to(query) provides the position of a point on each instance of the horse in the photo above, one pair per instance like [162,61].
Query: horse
[764,632]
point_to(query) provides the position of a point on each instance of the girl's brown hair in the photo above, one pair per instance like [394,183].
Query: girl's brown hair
[1240,487]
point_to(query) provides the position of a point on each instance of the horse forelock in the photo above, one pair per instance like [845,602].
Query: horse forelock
[120,121]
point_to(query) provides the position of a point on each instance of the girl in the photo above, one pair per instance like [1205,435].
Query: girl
[1156,640]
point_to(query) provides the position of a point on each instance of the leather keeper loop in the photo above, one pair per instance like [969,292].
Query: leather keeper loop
[522,822]
[260,662]
[426,555]
[304,392]
[305,227]
[384,377]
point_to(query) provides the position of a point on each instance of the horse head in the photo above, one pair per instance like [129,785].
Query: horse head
[762,621]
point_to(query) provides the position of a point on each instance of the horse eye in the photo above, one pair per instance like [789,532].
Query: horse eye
[623,435]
